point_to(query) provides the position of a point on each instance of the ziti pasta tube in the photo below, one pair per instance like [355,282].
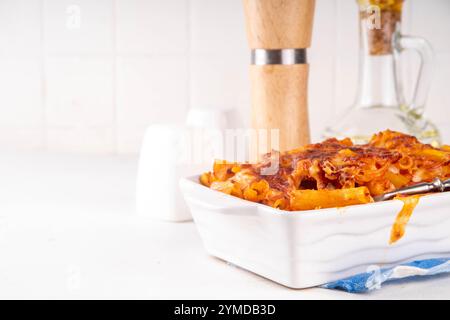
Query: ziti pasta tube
[316,199]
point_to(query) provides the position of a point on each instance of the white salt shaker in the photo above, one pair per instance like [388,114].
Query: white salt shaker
[170,152]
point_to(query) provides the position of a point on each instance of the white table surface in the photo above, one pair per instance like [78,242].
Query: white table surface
[68,229]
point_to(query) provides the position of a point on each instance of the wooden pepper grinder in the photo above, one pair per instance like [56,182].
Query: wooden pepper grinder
[279,32]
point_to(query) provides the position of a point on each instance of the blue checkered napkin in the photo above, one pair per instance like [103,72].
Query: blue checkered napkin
[373,279]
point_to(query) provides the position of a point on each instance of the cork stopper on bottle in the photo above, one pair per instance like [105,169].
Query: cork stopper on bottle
[379,20]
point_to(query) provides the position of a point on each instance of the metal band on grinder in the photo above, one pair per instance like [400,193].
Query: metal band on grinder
[278,56]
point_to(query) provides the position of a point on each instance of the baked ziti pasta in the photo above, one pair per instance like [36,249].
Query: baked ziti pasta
[334,173]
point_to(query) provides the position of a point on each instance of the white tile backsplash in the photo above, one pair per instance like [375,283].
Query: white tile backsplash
[217,27]
[152,26]
[79,91]
[211,74]
[90,76]
[149,91]
[20,27]
[431,20]
[21,110]
[321,105]
[321,73]
[20,92]
[346,58]
[438,106]
[79,96]
[29,137]
[78,26]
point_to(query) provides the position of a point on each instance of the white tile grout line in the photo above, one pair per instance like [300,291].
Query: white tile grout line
[334,62]
[114,80]
[338,35]
[43,78]
[118,54]
[188,56]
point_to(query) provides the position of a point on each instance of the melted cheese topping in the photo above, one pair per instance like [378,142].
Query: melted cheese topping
[330,173]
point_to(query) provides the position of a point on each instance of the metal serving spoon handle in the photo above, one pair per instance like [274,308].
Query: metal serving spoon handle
[437,185]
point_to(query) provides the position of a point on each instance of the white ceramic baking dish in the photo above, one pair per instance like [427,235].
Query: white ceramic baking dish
[301,249]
